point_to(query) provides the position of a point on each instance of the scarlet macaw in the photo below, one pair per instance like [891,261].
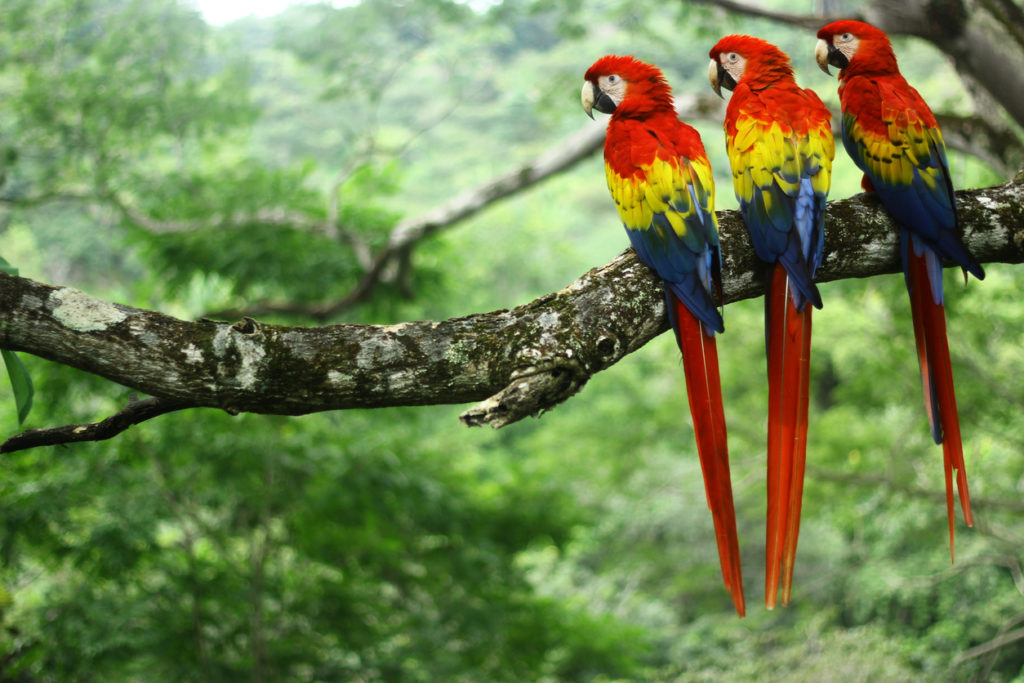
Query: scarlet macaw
[779,140]
[893,137]
[660,179]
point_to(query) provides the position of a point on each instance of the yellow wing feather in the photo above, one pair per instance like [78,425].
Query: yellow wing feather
[762,155]
[663,187]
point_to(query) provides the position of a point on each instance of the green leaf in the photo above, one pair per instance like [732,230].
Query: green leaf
[7,267]
[20,381]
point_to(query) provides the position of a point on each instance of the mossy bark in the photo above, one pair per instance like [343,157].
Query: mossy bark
[522,361]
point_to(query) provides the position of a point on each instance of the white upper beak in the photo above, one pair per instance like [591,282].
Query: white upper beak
[587,98]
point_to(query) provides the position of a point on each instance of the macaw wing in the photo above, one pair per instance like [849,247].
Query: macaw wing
[781,177]
[766,175]
[817,149]
[903,154]
[667,208]
[901,151]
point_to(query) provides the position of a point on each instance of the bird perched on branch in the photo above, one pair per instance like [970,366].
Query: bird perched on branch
[660,179]
[779,140]
[893,137]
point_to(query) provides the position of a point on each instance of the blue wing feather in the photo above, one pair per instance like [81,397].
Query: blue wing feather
[686,271]
[780,150]
[921,201]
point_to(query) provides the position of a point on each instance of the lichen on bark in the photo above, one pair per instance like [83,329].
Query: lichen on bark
[516,362]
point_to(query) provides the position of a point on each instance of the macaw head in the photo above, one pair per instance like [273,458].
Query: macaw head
[616,83]
[854,45]
[755,62]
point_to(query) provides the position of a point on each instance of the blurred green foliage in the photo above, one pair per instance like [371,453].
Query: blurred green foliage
[143,152]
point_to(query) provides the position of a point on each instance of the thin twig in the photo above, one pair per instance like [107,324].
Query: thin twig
[808,21]
[132,414]
[994,644]
[915,491]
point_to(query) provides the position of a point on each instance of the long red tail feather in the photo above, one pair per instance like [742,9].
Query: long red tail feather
[937,382]
[789,356]
[802,383]
[704,390]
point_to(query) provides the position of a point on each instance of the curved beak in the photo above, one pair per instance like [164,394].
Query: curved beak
[821,55]
[595,99]
[715,77]
[587,98]
[826,54]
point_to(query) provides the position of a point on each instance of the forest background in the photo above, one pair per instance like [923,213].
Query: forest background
[261,167]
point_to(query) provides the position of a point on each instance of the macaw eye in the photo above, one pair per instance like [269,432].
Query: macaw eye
[845,37]
[613,78]
[732,56]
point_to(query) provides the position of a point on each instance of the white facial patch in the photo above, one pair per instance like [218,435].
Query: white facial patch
[614,86]
[734,64]
[846,43]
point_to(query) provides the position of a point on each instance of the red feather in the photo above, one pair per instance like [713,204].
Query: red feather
[704,390]
[937,381]
[677,237]
[892,135]
[789,357]
[780,147]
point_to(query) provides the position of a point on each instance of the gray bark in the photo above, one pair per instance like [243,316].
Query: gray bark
[517,362]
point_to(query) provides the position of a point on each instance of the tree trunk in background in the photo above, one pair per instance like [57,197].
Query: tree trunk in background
[985,40]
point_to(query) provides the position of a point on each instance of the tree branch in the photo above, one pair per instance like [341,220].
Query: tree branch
[407,233]
[135,412]
[281,217]
[993,143]
[994,644]
[807,21]
[562,156]
[880,481]
[527,359]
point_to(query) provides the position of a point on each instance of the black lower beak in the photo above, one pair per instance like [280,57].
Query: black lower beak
[837,58]
[603,103]
[725,80]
